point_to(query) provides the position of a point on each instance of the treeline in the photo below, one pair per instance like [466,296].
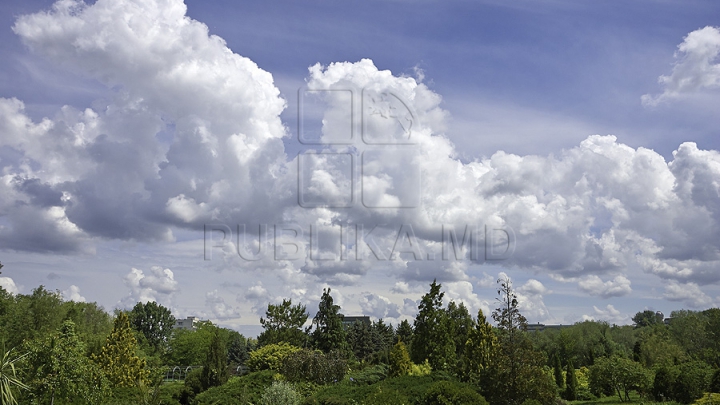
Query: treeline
[63,352]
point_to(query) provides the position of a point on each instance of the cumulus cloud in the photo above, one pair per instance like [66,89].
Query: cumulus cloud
[73,294]
[159,286]
[617,287]
[697,68]
[608,314]
[530,300]
[378,306]
[219,308]
[9,285]
[689,293]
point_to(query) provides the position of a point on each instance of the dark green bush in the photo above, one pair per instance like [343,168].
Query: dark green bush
[369,375]
[314,366]
[451,393]
[238,390]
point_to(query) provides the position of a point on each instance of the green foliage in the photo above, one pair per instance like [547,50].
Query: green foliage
[715,382]
[460,324]
[369,375]
[404,332]
[618,375]
[189,347]
[432,339]
[314,366]
[154,321]
[360,340]
[215,367]
[270,357]
[571,383]
[244,390]
[480,350]
[646,318]
[118,358]
[557,372]
[400,363]
[329,333]
[419,370]
[280,393]
[283,323]
[692,380]
[448,393]
[57,368]
[662,384]
[9,380]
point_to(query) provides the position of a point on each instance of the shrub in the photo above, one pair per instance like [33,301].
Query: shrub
[314,366]
[418,370]
[270,357]
[715,382]
[446,393]
[400,363]
[369,375]
[238,390]
[692,380]
[280,393]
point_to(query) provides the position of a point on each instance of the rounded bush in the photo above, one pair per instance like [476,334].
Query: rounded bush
[280,393]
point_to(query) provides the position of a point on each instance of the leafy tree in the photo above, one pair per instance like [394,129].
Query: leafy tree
[283,323]
[34,316]
[646,318]
[400,363]
[189,347]
[571,382]
[692,380]
[92,323]
[619,375]
[432,339]
[58,368]
[662,384]
[329,333]
[9,381]
[118,358]
[154,321]
[712,333]
[215,366]
[238,350]
[314,366]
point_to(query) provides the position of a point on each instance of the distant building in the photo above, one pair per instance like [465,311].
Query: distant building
[539,327]
[187,323]
[348,321]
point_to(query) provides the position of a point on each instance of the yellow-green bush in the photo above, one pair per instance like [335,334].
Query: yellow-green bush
[270,357]
[418,370]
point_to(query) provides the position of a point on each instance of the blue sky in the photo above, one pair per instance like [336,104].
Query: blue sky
[505,98]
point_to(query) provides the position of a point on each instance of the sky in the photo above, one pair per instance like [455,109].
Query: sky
[217,156]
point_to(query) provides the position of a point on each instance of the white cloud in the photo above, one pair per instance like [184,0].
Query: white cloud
[159,286]
[609,314]
[9,285]
[219,308]
[697,69]
[617,287]
[689,293]
[378,306]
[73,294]
[530,300]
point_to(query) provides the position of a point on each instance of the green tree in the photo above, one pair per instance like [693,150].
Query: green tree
[693,379]
[646,318]
[154,321]
[270,357]
[189,347]
[571,382]
[329,333]
[480,349]
[557,372]
[404,332]
[461,323]
[284,323]
[9,380]
[118,358]
[715,382]
[432,339]
[58,368]
[662,384]
[215,367]
[400,363]
[360,339]
[618,375]
[517,372]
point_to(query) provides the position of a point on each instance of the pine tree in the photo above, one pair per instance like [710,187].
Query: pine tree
[570,382]
[329,333]
[118,358]
[557,371]
[480,350]
[461,323]
[404,332]
[215,368]
[432,339]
